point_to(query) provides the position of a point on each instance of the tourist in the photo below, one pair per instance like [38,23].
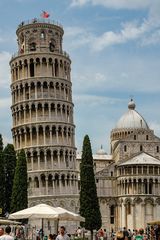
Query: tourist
[100,234]
[130,234]
[62,234]
[152,233]
[52,236]
[1,231]
[105,234]
[126,234]
[135,232]
[79,232]
[157,232]
[140,235]
[6,235]
[120,235]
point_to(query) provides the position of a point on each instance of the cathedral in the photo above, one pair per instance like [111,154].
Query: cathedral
[128,182]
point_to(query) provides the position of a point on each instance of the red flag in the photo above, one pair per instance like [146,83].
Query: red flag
[45,14]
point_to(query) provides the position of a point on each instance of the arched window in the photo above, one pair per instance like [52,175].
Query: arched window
[150,186]
[128,208]
[50,181]
[43,181]
[42,35]
[32,46]
[31,69]
[125,148]
[112,210]
[157,149]
[141,148]
[52,45]
[145,186]
[63,180]
[36,182]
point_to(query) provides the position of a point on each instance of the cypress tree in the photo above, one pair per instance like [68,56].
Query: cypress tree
[89,205]
[19,199]
[2,182]
[9,166]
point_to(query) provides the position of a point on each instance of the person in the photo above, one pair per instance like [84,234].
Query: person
[50,237]
[79,232]
[157,232]
[126,234]
[6,235]
[105,234]
[152,233]
[120,235]
[1,231]
[140,236]
[130,234]
[135,233]
[100,234]
[62,234]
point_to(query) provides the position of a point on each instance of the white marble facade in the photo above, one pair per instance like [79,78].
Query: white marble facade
[129,186]
[128,182]
[42,114]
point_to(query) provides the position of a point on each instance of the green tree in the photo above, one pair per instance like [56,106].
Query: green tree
[19,199]
[9,166]
[89,205]
[2,182]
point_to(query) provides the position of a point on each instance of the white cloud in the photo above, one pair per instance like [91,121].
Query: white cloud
[135,74]
[7,140]
[152,39]
[5,103]
[77,37]
[73,31]
[155,126]
[91,80]
[79,2]
[4,69]
[116,4]
[130,31]
[145,32]
[94,100]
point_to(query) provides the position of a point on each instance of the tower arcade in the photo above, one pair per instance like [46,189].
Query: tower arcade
[42,113]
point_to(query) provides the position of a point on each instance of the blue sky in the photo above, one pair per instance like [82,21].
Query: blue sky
[115,51]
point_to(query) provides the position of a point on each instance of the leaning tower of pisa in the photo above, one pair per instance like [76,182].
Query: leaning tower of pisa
[42,112]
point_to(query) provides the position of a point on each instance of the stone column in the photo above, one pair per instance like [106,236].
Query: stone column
[57,138]
[50,134]
[25,140]
[58,155]
[143,215]
[49,109]
[52,159]
[44,135]
[32,161]
[45,160]
[31,140]
[46,185]
[38,156]
[35,91]
[133,215]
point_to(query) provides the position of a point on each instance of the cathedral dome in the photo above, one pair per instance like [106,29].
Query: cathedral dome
[132,119]
[101,151]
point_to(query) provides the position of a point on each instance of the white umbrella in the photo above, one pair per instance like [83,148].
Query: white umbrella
[71,216]
[4,221]
[42,211]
